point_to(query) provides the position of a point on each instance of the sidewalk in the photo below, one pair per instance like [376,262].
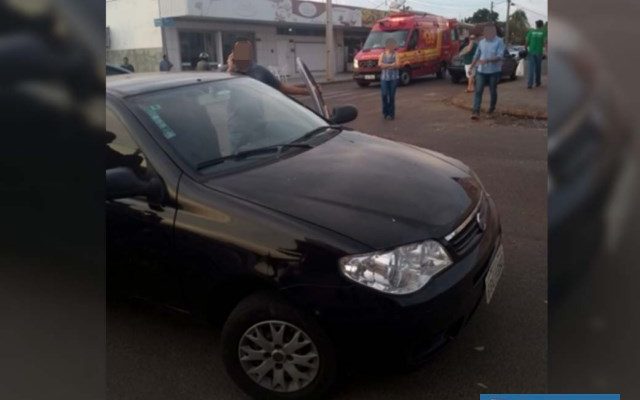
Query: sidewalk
[514,99]
[321,77]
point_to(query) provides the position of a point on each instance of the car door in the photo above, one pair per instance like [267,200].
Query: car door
[139,228]
[319,105]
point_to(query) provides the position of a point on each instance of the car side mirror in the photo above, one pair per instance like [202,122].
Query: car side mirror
[122,182]
[344,114]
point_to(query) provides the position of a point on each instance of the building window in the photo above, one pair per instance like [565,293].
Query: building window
[194,43]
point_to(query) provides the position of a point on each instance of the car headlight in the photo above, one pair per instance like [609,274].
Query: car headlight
[355,63]
[403,270]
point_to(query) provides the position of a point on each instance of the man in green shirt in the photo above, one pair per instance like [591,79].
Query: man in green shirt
[536,41]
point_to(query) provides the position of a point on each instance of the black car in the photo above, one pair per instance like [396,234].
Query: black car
[116,70]
[313,242]
[509,65]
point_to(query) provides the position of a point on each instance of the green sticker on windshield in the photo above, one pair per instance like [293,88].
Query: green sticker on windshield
[152,112]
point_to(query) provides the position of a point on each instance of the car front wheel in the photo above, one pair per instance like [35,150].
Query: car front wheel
[363,83]
[273,351]
[405,76]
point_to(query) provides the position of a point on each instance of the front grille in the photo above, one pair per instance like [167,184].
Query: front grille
[470,231]
[369,64]
[466,239]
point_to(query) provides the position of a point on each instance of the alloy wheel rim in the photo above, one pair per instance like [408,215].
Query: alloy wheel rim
[278,356]
[405,77]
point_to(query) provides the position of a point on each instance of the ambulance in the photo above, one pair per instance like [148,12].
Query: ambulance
[426,44]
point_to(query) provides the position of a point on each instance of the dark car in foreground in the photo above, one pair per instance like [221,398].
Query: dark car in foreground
[509,65]
[311,241]
[116,70]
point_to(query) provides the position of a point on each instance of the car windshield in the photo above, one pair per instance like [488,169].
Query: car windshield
[208,121]
[377,39]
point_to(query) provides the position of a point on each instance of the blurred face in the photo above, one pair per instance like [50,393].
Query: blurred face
[472,38]
[126,60]
[490,32]
[390,45]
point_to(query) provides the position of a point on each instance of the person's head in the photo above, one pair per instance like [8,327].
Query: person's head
[539,24]
[472,38]
[390,44]
[489,31]
[125,60]
[242,54]
[204,56]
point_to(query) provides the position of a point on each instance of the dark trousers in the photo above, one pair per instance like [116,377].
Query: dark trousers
[388,89]
[482,80]
[535,69]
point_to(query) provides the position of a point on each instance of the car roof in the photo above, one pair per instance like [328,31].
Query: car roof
[132,84]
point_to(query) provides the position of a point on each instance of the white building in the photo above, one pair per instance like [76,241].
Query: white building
[281,30]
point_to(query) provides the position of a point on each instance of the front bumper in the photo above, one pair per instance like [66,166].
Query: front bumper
[363,76]
[410,326]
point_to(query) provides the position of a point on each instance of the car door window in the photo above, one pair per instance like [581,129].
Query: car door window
[413,40]
[120,148]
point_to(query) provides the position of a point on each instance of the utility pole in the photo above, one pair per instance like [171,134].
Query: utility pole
[491,8]
[506,29]
[162,33]
[331,59]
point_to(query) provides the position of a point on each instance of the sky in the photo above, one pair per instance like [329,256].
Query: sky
[535,9]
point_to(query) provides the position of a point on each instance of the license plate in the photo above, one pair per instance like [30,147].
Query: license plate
[495,270]
[370,77]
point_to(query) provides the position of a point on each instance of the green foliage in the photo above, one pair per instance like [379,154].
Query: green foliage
[518,27]
[482,15]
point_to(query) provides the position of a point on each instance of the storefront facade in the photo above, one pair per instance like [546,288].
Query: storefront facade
[280,30]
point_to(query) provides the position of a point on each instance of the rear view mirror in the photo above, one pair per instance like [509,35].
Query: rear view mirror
[344,114]
[122,182]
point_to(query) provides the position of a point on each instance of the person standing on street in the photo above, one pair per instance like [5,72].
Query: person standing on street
[203,62]
[165,64]
[389,77]
[488,58]
[536,41]
[126,65]
[467,58]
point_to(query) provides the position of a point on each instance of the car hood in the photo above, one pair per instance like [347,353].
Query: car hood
[378,192]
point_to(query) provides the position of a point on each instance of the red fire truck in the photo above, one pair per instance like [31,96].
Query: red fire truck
[426,45]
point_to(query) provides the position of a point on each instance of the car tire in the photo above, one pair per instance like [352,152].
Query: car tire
[267,319]
[455,78]
[405,76]
[363,83]
[513,76]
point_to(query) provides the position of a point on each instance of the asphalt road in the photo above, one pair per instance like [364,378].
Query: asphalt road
[156,354]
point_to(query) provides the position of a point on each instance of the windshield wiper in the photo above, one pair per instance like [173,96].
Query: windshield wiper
[247,153]
[317,131]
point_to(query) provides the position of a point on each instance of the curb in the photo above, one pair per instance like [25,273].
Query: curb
[336,81]
[513,112]
[324,82]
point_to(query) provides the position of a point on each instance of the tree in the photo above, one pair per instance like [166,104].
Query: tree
[482,15]
[518,27]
